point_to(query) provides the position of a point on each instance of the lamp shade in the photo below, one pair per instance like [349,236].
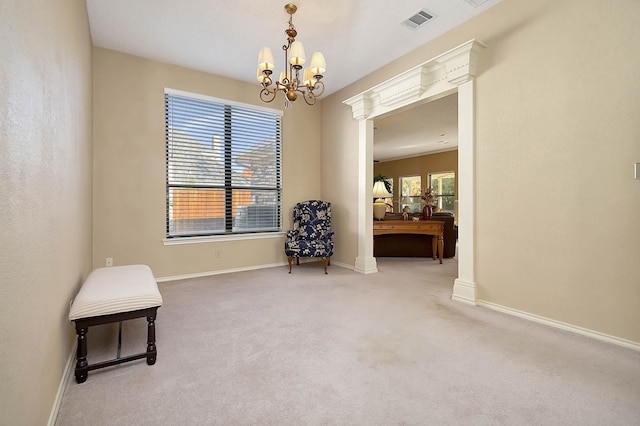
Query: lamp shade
[380,191]
[308,78]
[318,64]
[297,54]
[265,59]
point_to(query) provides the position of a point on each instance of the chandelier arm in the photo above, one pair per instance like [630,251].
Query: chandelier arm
[318,86]
[267,95]
[308,97]
[267,81]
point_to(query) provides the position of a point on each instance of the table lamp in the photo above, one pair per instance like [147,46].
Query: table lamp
[379,206]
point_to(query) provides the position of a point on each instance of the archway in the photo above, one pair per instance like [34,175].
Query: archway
[450,72]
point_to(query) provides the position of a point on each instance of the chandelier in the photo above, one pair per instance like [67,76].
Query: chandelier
[290,81]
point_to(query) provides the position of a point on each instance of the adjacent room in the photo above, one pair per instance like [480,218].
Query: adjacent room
[503,133]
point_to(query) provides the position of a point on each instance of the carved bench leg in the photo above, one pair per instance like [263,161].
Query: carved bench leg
[151,340]
[82,370]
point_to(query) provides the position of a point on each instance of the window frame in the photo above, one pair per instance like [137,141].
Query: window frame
[230,231]
[439,196]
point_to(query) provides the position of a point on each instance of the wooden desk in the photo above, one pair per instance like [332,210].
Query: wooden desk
[424,227]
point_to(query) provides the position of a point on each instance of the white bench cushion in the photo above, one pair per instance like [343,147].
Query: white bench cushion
[116,289]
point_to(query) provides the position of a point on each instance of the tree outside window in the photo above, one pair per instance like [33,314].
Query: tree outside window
[443,186]
[411,193]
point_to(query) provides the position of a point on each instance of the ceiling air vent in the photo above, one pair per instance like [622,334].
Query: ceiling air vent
[418,20]
[475,3]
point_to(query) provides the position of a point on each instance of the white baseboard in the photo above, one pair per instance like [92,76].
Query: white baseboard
[561,325]
[66,375]
[222,271]
[343,265]
[247,268]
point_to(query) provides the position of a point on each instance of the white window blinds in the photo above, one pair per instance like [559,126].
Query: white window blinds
[223,167]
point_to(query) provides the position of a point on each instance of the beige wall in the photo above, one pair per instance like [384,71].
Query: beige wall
[340,178]
[129,166]
[556,145]
[421,165]
[557,233]
[45,182]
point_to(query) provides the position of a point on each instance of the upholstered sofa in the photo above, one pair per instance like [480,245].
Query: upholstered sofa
[410,245]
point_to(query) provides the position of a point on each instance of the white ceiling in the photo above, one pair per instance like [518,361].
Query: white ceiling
[427,128]
[223,37]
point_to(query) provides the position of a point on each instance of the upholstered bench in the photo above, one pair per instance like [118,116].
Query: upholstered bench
[111,295]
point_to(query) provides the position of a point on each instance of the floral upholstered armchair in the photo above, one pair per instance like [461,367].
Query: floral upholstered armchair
[311,235]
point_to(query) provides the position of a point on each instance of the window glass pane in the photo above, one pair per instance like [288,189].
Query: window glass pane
[256,210]
[223,167]
[410,193]
[195,142]
[255,154]
[195,211]
[443,186]
[388,184]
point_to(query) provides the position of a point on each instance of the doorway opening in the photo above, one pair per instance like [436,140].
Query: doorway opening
[450,72]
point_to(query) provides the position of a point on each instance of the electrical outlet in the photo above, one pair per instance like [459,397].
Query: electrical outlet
[109,261]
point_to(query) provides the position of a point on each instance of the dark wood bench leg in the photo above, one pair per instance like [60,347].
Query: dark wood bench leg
[151,340]
[82,366]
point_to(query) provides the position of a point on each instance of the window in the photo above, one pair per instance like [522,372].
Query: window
[443,186]
[388,184]
[411,193]
[223,166]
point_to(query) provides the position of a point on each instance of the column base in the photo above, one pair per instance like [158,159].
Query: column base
[464,291]
[366,265]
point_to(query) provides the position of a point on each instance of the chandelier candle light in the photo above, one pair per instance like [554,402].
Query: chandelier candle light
[294,58]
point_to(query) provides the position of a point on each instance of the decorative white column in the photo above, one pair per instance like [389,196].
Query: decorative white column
[464,287]
[365,262]
[450,72]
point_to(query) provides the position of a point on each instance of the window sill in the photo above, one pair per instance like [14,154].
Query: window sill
[220,238]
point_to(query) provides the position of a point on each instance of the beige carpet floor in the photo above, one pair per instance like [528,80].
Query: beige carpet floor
[268,348]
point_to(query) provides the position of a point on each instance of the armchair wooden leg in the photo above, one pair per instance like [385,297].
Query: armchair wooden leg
[325,261]
[289,258]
